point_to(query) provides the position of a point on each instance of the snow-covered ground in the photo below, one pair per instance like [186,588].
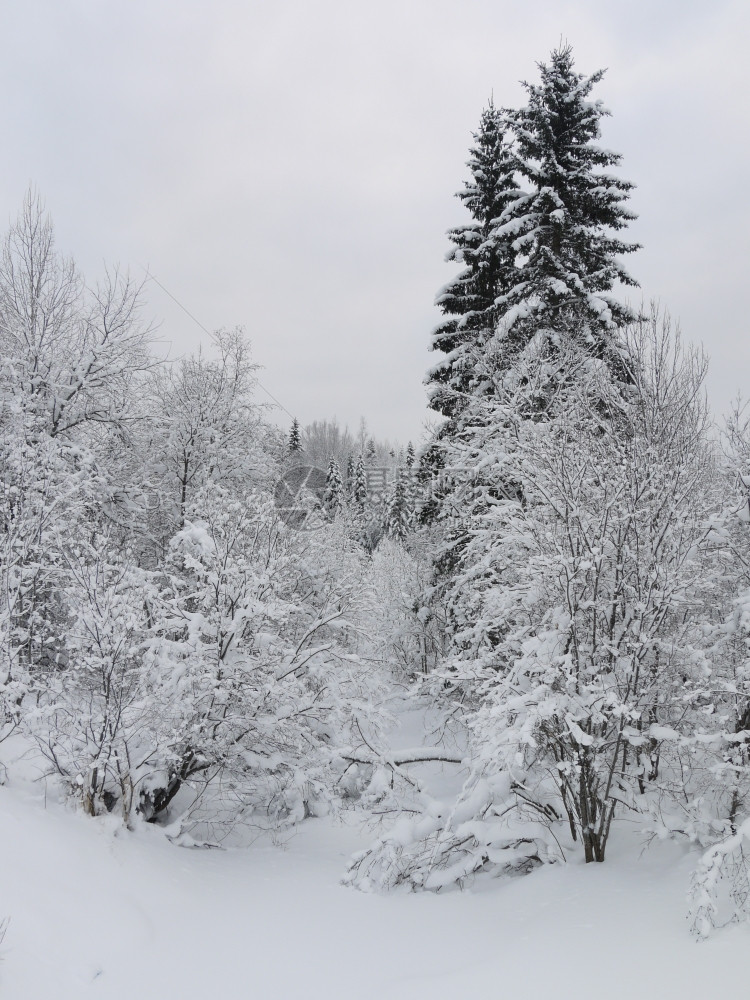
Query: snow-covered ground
[97,911]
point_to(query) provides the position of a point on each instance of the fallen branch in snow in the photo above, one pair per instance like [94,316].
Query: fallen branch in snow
[401,757]
[487,829]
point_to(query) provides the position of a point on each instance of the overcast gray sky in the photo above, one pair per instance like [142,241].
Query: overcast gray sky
[291,166]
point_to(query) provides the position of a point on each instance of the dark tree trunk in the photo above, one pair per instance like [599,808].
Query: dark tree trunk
[154,801]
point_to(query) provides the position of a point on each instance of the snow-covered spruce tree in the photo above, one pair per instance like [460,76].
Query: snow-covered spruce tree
[367,513]
[294,437]
[399,515]
[565,264]
[359,488]
[409,471]
[333,498]
[556,156]
[563,229]
[579,614]
[468,302]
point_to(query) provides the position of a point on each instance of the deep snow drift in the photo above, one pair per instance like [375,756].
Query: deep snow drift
[97,911]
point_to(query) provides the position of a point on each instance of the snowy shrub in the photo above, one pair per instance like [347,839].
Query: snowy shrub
[405,632]
[255,667]
[94,722]
[721,881]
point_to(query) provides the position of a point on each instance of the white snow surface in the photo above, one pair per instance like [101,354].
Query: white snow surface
[96,911]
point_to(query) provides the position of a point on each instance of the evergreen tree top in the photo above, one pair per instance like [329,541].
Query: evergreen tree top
[563,228]
[556,134]
[492,167]
[468,302]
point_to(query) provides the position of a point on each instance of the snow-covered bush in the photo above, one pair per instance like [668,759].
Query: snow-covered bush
[714,807]
[49,491]
[721,882]
[254,666]
[94,722]
[405,630]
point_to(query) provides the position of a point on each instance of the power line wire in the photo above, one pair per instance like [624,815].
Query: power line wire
[152,277]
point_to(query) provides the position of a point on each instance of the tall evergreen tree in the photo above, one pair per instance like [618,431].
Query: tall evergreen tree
[398,512]
[562,265]
[333,498]
[359,491]
[349,476]
[295,443]
[564,228]
[468,302]
[410,484]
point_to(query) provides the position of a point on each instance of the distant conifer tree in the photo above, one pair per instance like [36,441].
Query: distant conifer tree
[399,516]
[333,498]
[350,475]
[359,491]
[295,443]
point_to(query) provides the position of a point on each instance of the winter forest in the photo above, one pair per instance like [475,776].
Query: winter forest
[512,651]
